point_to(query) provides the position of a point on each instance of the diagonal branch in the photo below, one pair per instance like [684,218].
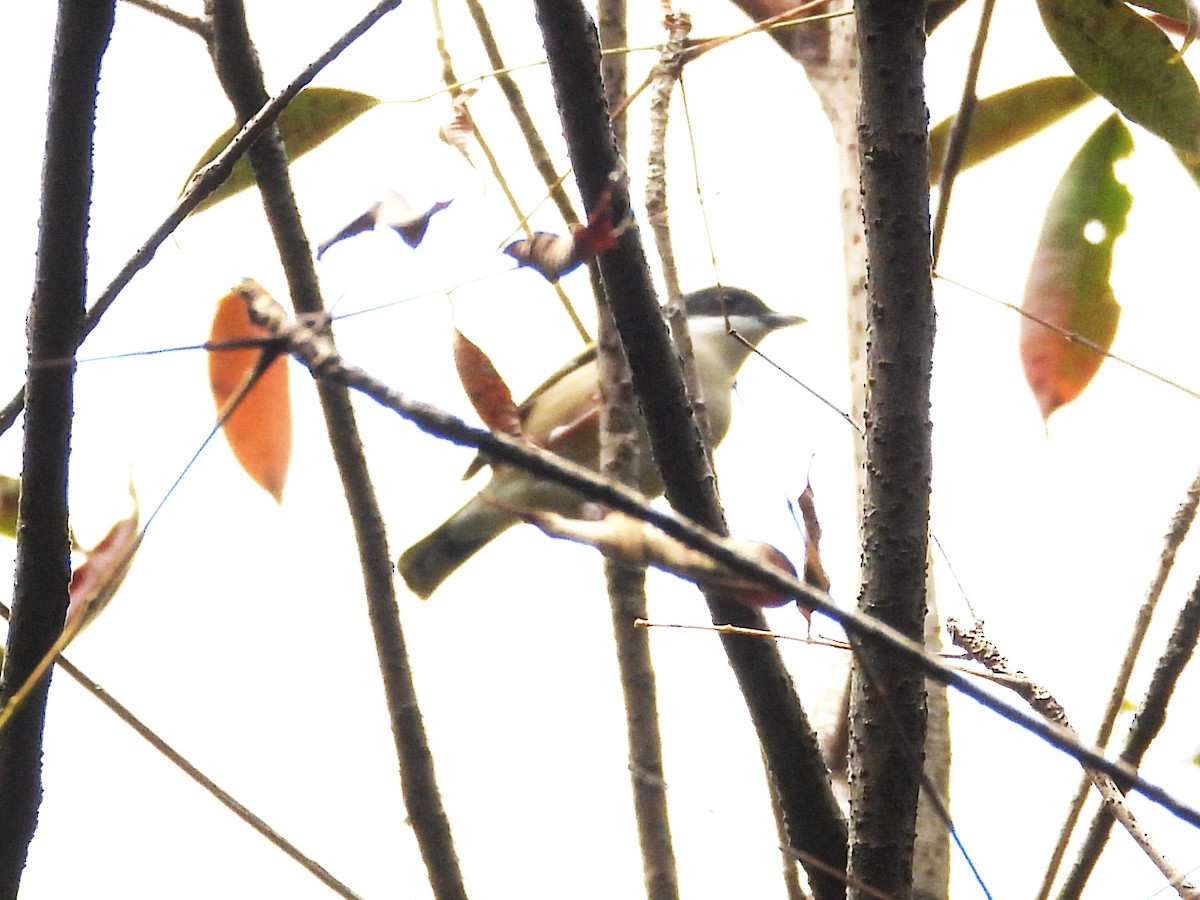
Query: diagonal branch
[240,74]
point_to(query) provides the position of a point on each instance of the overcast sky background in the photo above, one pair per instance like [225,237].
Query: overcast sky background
[241,634]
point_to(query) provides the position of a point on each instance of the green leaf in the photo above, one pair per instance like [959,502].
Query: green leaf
[1128,60]
[10,495]
[1068,285]
[315,115]
[1009,117]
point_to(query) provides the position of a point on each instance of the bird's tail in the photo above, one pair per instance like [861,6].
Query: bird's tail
[430,561]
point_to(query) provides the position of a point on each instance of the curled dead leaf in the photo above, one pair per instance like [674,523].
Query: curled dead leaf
[459,130]
[394,212]
[551,255]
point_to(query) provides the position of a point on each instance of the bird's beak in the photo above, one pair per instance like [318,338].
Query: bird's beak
[775,321]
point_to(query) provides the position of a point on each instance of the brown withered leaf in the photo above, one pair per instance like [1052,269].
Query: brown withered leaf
[554,255]
[394,212]
[459,130]
[551,255]
[488,393]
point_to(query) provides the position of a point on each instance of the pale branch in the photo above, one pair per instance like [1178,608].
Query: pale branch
[621,460]
[306,341]
[454,87]
[240,73]
[1181,524]
[207,180]
[981,649]
[539,155]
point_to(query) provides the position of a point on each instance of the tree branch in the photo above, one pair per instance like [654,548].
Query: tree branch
[43,568]
[814,820]
[888,715]
[238,68]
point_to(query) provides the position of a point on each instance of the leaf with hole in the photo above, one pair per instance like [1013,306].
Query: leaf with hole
[259,430]
[1068,285]
[314,116]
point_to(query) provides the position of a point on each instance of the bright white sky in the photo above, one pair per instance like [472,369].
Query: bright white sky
[241,634]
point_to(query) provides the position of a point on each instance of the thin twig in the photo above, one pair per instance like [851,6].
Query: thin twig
[1181,523]
[201,27]
[222,796]
[1151,715]
[1073,337]
[977,645]
[451,80]
[207,180]
[961,129]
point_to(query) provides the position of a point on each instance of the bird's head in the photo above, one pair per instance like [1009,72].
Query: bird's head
[708,310]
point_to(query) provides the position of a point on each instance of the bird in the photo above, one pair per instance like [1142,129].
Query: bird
[563,416]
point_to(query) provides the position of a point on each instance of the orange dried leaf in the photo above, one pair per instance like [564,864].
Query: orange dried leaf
[485,388]
[259,430]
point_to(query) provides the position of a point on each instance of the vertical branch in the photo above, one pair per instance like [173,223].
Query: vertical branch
[814,822]
[43,570]
[888,712]
[239,71]
[620,459]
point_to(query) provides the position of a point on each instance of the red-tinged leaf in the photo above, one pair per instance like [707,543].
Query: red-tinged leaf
[758,596]
[259,430]
[1005,119]
[460,129]
[394,212]
[1127,59]
[10,496]
[314,116]
[551,255]
[485,388]
[96,579]
[1068,284]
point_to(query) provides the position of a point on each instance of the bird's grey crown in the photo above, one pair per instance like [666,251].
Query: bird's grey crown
[724,300]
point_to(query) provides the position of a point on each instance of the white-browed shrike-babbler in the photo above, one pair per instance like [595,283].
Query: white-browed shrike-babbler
[563,416]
